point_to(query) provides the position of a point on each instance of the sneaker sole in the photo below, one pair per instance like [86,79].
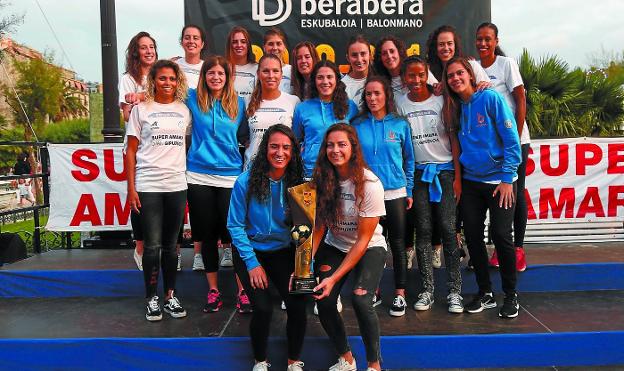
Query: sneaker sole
[486,306]
[226,265]
[195,269]
[397,313]
[456,310]
[377,303]
[153,318]
[421,309]
[174,314]
[213,310]
[509,316]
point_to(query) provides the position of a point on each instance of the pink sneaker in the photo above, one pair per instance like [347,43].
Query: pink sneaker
[494,260]
[213,303]
[242,303]
[520,260]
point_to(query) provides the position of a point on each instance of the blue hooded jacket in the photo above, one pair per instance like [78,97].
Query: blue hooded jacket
[489,139]
[388,150]
[214,146]
[258,226]
[311,120]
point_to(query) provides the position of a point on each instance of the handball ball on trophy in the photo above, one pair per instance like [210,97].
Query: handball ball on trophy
[300,233]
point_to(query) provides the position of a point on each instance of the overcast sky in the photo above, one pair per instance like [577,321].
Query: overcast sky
[572,29]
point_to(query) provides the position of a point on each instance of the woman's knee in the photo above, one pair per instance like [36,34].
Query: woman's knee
[362,300]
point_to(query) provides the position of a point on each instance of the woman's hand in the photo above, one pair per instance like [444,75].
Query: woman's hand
[258,278]
[134,98]
[506,195]
[409,201]
[437,89]
[134,201]
[457,189]
[325,288]
[482,85]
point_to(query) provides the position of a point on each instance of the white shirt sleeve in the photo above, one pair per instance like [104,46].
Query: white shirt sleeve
[133,128]
[373,204]
[480,74]
[513,78]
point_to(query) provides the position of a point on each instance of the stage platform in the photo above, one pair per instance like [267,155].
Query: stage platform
[83,309]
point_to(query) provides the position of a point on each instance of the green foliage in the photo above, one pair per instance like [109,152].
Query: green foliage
[8,154]
[96,116]
[69,131]
[9,22]
[564,103]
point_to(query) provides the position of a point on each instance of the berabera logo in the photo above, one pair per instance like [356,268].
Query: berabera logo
[284,8]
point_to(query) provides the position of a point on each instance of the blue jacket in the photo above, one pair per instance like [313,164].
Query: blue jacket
[388,150]
[214,146]
[258,226]
[489,139]
[311,120]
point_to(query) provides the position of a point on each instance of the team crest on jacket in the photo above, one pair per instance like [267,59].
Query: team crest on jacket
[508,124]
[480,118]
[392,137]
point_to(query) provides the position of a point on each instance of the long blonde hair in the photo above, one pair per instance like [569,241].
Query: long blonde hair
[229,98]
[181,88]
[256,96]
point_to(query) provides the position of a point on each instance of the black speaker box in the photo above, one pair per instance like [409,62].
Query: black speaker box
[12,248]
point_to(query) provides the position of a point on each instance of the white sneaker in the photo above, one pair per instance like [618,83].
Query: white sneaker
[153,310]
[455,304]
[410,257]
[338,306]
[296,366]
[424,302]
[138,259]
[261,366]
[283,306]
[198,263]
[226,260]
[179,267]
[343,365]
[437,258]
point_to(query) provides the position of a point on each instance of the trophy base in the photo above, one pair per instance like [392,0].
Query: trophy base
[303,286]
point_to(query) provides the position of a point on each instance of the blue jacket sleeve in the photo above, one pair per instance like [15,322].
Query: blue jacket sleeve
[353,111]
[297,124]
[237,221]
[408,158]
[508,132]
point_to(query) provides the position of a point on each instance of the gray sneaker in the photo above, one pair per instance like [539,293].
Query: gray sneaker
[424,302]
[410,257]
[226,260]
[179,266]
[436,260]
[455,304]
[198,262]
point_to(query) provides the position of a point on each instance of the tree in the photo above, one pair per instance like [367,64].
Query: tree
[8,23]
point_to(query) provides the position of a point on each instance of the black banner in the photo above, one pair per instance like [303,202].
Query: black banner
[330,23]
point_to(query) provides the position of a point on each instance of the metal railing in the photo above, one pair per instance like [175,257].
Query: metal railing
[64,238]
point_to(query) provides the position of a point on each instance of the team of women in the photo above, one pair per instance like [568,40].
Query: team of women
[398,144]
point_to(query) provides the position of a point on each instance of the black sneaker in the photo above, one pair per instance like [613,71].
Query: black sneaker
[510,307]
[153,310]
[174,308]
[398,306]
[481,302]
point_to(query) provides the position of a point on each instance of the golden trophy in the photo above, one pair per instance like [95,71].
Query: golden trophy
[302,201]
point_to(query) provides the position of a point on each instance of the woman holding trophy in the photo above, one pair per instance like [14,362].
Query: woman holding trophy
[259,223]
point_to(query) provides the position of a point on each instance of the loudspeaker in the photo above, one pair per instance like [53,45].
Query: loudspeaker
[12,248]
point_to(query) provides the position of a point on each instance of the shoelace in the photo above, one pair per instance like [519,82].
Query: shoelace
[174,303]
[213,296]
[424,295]
[244,299]
[297,363]
[398,301]
[454,299]
[153,303]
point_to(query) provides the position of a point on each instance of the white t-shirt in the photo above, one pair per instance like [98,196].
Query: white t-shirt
[344,234]
[128,85]
[212,180]
[354,89]
[397,87]
[161,156]
[429,137]
[285,83]
[245,80]
[269,113]
[191,71]
[505,76]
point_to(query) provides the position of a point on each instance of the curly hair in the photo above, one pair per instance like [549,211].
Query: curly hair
[256,96]
[259,186]
[387,88]
[229,98]
[435,64]
[297,79]
[326,179]
[378,64]
[452,105]
[181,88]
[339,96]
[228,44]
[133,61]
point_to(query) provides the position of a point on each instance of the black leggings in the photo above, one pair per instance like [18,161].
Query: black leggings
[278,266]
[208,209]
[476,199]
[520,217]
[367,274]
[394,228]
[162,214]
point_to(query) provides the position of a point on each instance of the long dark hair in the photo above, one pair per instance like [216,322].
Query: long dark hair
[204,51]
[228,45]
[492,26]
[452,103]
[133,62]
[387,87]
[327,181]
[435,64]
[359,38]
[259,186]
[379,66]
[256,96]
[339,97]
[297,80]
